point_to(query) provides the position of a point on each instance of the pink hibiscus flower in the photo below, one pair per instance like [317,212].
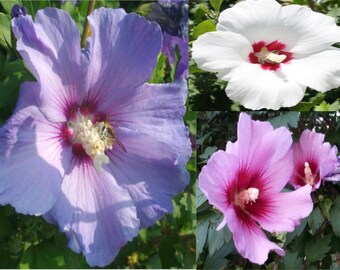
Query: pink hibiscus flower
[245,183]
[314,159]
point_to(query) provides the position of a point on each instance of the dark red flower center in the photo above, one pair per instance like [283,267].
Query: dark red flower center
[246,194]
[270,55]
[88,133]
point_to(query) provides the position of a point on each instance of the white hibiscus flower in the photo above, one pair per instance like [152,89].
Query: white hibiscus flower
[270,54]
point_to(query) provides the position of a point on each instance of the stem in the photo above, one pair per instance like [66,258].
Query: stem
[90,8]
[323,227]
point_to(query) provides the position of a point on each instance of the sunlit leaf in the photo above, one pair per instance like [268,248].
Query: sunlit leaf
[204,27]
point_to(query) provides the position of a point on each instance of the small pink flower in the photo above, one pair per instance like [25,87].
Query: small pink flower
[244,183]
[313,159]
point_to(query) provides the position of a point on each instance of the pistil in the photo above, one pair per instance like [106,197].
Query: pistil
[309,176]
[272,57]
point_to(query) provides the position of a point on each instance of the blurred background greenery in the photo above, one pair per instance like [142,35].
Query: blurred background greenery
[314,244]
[207,92]
[30,242]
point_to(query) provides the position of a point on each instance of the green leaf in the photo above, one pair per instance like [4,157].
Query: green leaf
[5,29]
[324,106]
[316,249]
[200,10]
[143,9]
[174,66]
[204,27]
[201,234]
[8,4]
[194,69]
[190,120]
[315,219]
[334,13]
[13,67]
[9,89]
[292,260]
[7,224]
[45,255]
[208,152]
[297,232]
[154,262]
[6,262]
[325,206]
[303,106]
[218,260]
[167,253]
[216,4]
[143,235]
[74,260]
[335,106]
[200,198]
[217,238]
[334,216]
[286,119]
[159,72]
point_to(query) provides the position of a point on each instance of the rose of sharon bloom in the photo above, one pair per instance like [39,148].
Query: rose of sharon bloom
[313,160]
[270,54]
[245,183]
[91,145]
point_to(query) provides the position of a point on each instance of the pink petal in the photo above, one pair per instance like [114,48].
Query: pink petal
[250,241]
[216,178]
[282,212]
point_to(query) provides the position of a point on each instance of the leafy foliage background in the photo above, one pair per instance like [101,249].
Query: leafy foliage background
[207,92]
[314,244]
[30,242]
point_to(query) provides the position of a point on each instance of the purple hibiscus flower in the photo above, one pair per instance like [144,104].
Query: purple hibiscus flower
[91,145]
[245,183]
[172,16]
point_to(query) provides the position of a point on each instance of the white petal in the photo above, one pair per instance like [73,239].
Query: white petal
[249,13]
[256,88]
[257,21]
[315,30]
[220,51]
[318,71]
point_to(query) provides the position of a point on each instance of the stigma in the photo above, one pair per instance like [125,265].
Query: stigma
[95,138]
[309,177]
[272,57]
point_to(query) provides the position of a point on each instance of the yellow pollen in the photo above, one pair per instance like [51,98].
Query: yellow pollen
[95,139]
